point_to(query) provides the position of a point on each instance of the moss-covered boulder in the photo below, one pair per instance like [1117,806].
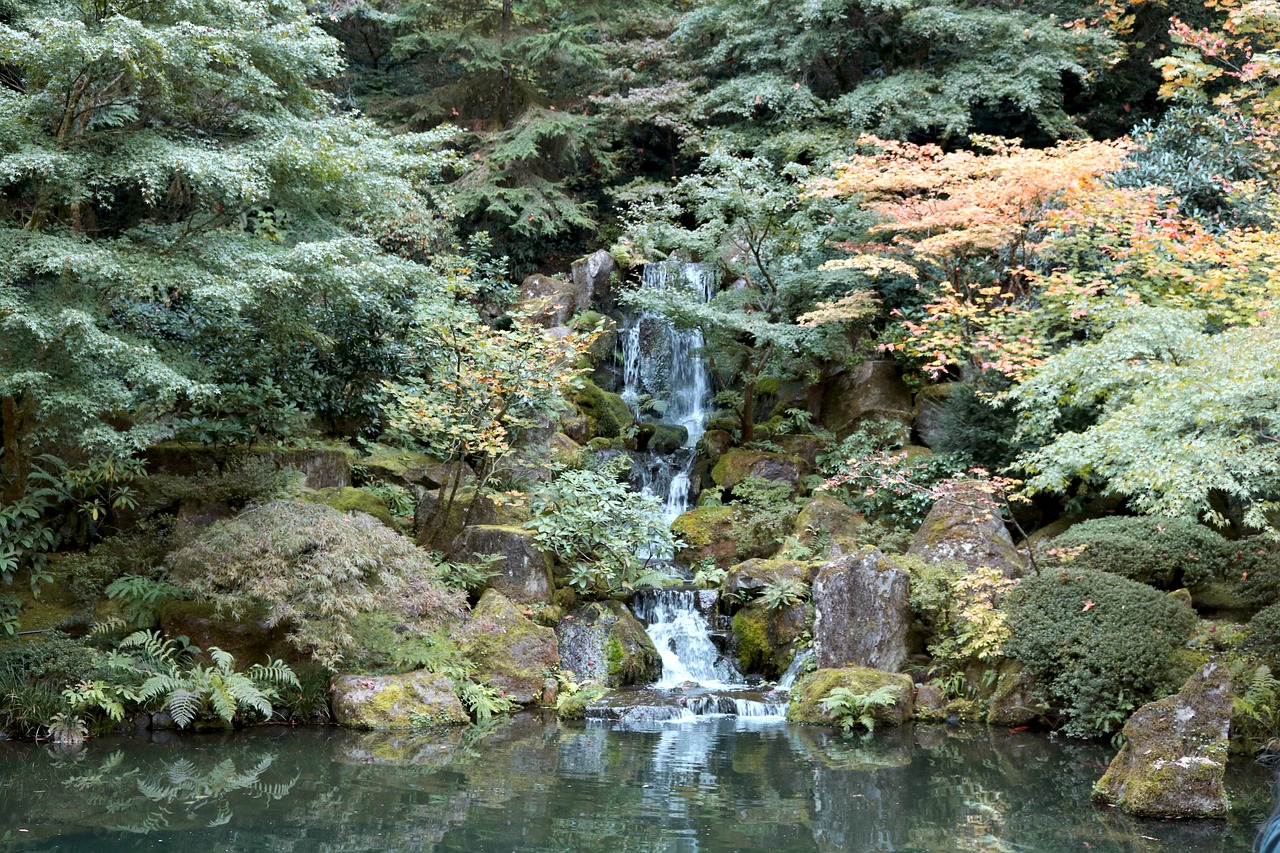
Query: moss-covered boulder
[550,302]
[734,466]
[407,701]
[350,499]
[805,445]
[405,468]
[250,637]
[872,391]
[604,642]
[748,579]
[563,450]
[524,573]
[706,532]
[714,444]
[1015,701]
[660,438]
[811,689]
[442,515]
[607,414]
[764,638]
[862,612]
[592,276]
[826,517]
[1174,757]
[964,529]
[510,651]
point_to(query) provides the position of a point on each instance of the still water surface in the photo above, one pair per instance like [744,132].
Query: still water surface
[530,784]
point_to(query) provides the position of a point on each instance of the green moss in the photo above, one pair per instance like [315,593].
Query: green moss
[751,638]
[615,655]
[703,526]
[607,414]
[352,499]
[810,690]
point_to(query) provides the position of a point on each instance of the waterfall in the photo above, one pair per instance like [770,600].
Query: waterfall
[682,637]
[788,679]
[664,376]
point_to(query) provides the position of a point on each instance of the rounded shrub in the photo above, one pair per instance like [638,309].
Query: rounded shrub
[1264,635]
[1099,645]
[1165,552]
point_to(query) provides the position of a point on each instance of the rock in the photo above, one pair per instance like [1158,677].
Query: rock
[807,447]
[602,349]
[714,444]
[607,414]
[1015,701]
[564,450]
[351,499]
[524,572]
[747,580]
[927,414]
[1174,757]
[706,532]
[603,642]
[591,275]
[872,391]
[442,514]
[575,425]
[765,638]
[659,438]
[964,530]
[323,467]
[510,652]
[402,468]
[862,613]
[734,466]
[930,702]
[811,689]
[826,516]
[550,302]
[396,701]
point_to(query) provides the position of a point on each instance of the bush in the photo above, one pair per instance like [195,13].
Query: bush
[1264,635]
[33,671]
[1167,553]
[315,569]
[1099,645]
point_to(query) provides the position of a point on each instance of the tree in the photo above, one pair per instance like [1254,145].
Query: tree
[768,239]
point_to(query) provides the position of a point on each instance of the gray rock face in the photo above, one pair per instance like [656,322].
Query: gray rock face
[604,642]
[442,514]
[862,613]
[747,580]
[396,701]
[826,516]
[510,651]
[930,403]
[872,391]
[1174,758]
[524,572]
[550,302]
[964,530]
[591,275]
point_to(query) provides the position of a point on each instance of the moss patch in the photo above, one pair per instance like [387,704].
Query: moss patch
[608,416]
[350,499]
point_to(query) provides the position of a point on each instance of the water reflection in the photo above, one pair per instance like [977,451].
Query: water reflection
[530,784]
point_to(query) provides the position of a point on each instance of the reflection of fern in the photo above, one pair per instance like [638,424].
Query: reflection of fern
[850,710]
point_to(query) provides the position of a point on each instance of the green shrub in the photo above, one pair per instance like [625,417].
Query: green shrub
[1098,644]
[33,670]
[1264,635]
[1167,553]
[314,569]
[1256,578]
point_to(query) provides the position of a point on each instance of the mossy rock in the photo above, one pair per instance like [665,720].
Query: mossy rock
[350,499]
[705,532]
[439,519]
[765,639]
[404,468]
[523,573]
[824,516]
[734,466]
[608,415]
[964,530]
[604,642]
[248,636]
[1015,701]
[811,689]
[510,651]
[408,701]
[748,579]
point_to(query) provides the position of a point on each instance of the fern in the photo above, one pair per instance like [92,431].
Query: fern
[851,710]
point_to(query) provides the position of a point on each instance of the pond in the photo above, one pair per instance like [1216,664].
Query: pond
[714,785]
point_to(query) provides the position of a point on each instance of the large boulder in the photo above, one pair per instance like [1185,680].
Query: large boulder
[747,580]
[662,439]
[607,414]
[872,391]
[442,515]
[862,612]
[735,466]
[707,533]
[524,573]
[826,517]
[510,651]
[811,689]
[591,275]
[966,529]
[250,636]
[765,638]
[1015,701]
[406,701]
[931,402]
[405,468]
[550,302]
[604,642]
[1174,757]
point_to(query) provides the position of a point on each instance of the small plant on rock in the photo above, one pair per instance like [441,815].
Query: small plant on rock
[784,592]
[851,710]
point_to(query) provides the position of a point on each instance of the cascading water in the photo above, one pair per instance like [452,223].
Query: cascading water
[682,636]
[665,381]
